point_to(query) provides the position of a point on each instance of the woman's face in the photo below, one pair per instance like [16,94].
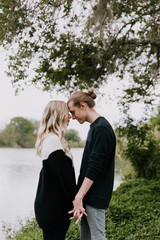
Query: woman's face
[68,119]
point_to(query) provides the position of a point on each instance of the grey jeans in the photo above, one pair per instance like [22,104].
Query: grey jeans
[92,227]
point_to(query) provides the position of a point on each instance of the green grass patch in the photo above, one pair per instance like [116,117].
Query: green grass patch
[134,214]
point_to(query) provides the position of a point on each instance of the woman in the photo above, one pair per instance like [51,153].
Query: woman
[57,185]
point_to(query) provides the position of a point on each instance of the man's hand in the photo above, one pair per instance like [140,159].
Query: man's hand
[78,210]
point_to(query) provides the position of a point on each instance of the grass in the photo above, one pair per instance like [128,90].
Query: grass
[134,212]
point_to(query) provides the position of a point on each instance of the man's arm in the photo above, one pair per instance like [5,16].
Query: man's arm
[78,209]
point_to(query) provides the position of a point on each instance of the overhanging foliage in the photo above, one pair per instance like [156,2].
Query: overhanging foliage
[79,44]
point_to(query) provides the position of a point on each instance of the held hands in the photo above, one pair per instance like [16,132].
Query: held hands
[78,210]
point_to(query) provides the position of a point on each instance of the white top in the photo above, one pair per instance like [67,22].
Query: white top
[50,144]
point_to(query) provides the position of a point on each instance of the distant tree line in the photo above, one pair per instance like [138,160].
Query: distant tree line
[138,143]
[21,132]
[72,137]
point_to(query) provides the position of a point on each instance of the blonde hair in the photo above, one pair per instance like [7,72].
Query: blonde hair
[87,97]
[53,121]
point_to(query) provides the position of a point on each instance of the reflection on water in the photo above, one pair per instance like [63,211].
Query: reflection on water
[19,169]
[19,173]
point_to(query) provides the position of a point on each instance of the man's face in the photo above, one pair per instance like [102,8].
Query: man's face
[78,113]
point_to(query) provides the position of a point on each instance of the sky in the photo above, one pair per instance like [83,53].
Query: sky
[31,102]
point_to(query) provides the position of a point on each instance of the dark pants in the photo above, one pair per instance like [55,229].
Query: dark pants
[58,234]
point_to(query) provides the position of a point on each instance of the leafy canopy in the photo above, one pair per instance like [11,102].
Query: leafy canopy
[79,44]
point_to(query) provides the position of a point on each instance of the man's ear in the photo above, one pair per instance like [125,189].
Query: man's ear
[83,105]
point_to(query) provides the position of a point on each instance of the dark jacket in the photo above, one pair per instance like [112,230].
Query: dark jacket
[98,163]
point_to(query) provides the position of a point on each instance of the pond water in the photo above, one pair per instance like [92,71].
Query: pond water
[19,174]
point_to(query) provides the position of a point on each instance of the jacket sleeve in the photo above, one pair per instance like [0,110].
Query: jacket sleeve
[61,168]
[102,145]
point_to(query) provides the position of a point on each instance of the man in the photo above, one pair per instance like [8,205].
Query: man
[96,177]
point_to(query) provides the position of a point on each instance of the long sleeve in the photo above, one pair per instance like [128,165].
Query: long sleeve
[101,148]
[98,163]
[57,186]
[63,172]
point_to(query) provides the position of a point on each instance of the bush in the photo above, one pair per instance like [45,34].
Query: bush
[134,212]
[142,147]
[28,230]
[123,166]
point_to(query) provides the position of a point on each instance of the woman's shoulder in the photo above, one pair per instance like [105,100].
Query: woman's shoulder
[51,137]
[50,144]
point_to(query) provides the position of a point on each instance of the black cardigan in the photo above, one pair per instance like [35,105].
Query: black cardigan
[56,191]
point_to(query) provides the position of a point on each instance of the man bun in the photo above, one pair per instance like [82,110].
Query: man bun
[91,93]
